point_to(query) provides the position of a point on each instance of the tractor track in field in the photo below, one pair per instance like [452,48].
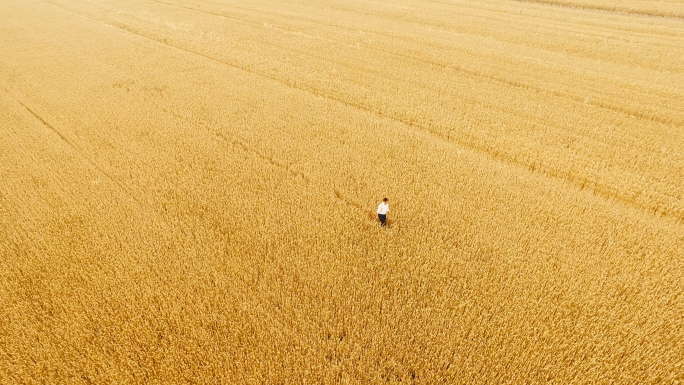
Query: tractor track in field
[246,147]
[457,68]
[599,190]
[185,228]
[78,150]
[596,8]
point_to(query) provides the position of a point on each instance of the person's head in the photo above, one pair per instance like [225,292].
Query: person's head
[385,200]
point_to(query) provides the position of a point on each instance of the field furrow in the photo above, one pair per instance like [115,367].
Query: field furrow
[188,192]
[563,164]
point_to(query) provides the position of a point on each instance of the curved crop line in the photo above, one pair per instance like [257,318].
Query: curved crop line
[615,9]
[346,200]
[80,152]
[604,105]
[308,19]
[492,153]
[268,158]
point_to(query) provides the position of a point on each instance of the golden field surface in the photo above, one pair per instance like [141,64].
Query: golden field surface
[188,191]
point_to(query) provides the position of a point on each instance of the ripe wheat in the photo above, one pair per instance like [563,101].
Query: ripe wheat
[188,189]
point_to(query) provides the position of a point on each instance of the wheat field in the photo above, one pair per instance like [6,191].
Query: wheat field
[188,191]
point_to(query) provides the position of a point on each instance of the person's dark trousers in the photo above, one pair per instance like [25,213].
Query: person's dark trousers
[383,218]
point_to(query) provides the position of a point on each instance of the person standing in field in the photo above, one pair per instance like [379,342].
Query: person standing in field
[383,209]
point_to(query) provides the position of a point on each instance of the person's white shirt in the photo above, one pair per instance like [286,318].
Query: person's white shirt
[383,208]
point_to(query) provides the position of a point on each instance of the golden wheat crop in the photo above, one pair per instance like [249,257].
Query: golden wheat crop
[187,191]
